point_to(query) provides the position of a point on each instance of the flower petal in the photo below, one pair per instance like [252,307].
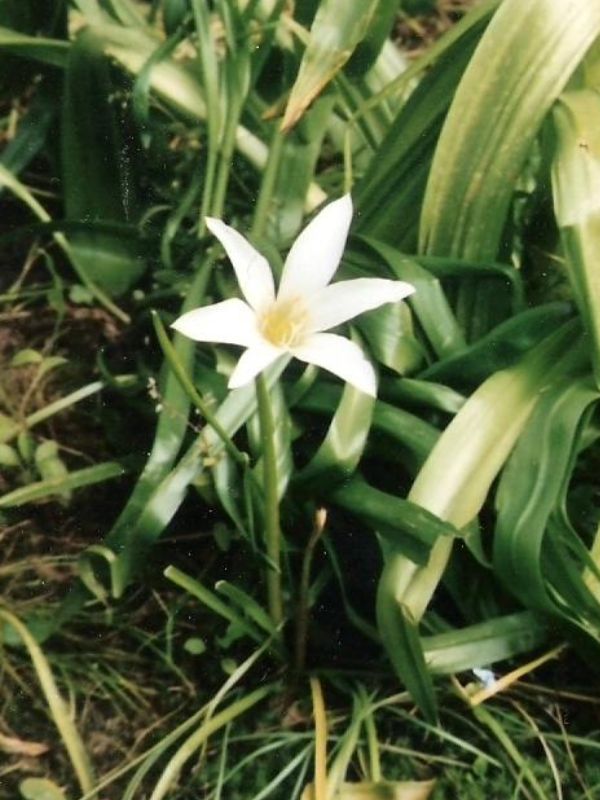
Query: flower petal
[251,268]
[229,322]
[347,299]
[340,356]
[316,253]
[253,361]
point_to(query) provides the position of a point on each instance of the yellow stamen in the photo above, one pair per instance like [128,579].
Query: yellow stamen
[284,323]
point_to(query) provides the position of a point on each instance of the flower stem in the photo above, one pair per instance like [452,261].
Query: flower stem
[302,617]
[267,186]
[271,496]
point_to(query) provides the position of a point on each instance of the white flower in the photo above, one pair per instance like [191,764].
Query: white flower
[292,321]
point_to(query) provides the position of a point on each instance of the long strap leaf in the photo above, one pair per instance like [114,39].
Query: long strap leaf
[576,182]
[453,484]
[520,67]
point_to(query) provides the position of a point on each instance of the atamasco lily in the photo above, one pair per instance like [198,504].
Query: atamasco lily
[295,318]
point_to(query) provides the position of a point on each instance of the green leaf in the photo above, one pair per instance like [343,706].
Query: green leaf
[162,487]
[289,189]
[521,65]
[530,554]
[402,524]
[415,437]
[171,429]
[8,180]
[195,646]
[247,605]
[385,790]
[26,357]
[40,789]
[389,194]
[97,175]
[63,483]
[215,604]
[8,428]
[429,302]
[501,347]
[32,130]
[9,458]
[281,440]
[48,51]
[399,633]
[416,392]
[341,449]
[337,28]
[390,334]
[376,34]
[456,478]
[484,643]
[575,178]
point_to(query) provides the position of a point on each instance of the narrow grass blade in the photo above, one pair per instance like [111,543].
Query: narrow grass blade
[55,487]
[58,708]
[147,760]
[42,414]
[247,605]
[214,603]
[525,769]
[49,51]
[192,744]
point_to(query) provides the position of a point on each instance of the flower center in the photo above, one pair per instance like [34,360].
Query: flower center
[283,324]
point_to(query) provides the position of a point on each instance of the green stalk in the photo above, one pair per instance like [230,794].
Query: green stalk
[302,617]
[210,83]
[207,191]
[265,412]
[271,497]
[320,715]
[267,185]
[376,774]
[226,158]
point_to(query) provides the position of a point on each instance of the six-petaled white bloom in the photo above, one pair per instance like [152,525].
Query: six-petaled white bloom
[292,320]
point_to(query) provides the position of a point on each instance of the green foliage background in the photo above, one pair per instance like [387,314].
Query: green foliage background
[474,170]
